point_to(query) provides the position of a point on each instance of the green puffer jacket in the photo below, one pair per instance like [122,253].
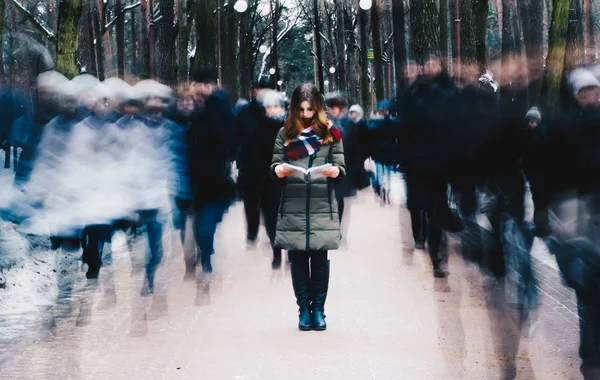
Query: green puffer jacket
[308,217]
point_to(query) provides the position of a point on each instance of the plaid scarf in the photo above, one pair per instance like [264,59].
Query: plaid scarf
[308,143]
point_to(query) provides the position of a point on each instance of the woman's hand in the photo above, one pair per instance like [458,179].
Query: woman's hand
[281,171]
[332,172]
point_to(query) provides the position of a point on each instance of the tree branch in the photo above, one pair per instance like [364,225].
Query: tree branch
[132,6]
[35,22]
[125,9]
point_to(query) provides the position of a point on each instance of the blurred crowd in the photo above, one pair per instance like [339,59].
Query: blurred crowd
[92,158]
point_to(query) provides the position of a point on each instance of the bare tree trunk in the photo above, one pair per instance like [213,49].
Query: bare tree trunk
[507,43]
[480,12]
[69,15]
[454,38]
[167,36]
[533,11]
[468,47]
[352,53]
[592,31]
[551,88]
[515,27]
[145,40]
[87,56]
[340,38]
[3,78]
[186,16]
[444,33]
[378,62]
[99,42]
[400,54]
[206,45]
[574,54]
[120,32]
[134,44]
[246,57]
[89,29]
[364,61]
[230,78]
[274,48]
[586,29]
[424,31]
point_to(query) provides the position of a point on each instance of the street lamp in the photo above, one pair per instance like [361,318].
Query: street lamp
[326,83]
[272,71]
[279,82]
[332,70]
[240,6]
[263,49]
[365,5]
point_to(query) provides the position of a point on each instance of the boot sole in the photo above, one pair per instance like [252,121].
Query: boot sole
[305,328]
[319,328]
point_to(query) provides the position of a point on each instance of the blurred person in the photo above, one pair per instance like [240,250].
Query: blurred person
[570,149]
[181,192]
[44,188]
[155,164]
[257,127]
[383,148]
[425,115]
[14,105]
[211,141]
[356,113]
[354,141]
[308,221]
[536,134]
[411,73]
[45,108]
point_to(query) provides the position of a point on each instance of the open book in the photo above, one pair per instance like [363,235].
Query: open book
[308,174]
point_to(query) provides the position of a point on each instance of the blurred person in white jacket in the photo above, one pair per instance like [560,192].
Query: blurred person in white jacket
[154,164]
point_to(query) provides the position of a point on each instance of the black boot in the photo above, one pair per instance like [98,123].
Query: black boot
[320,281]
[301,282]
[276,263]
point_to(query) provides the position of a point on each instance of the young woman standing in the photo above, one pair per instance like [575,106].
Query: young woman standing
[307,222]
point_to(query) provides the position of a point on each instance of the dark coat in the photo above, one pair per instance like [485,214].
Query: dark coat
[211,142]
[180,186]
[256,134]
[355,153]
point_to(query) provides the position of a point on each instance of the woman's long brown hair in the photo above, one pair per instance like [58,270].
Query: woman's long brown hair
[293,125]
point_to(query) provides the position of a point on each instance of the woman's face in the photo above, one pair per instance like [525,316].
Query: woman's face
[306,110]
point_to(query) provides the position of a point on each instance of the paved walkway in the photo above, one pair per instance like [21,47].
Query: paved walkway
[387,318]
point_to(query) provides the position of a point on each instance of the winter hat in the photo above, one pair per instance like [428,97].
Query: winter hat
[51,80]
[358,109]
[335,99]
[240,104]
[117,87]
[384,104]
[152,89]
[595,69]
[84,82]
[582,78]
[534,114]
[271,98]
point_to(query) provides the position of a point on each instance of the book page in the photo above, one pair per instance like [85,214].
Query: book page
[317,171]
[297,171]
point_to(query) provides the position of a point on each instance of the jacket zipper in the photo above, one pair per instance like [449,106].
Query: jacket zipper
[281,200]
[310,162]
[329,191]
